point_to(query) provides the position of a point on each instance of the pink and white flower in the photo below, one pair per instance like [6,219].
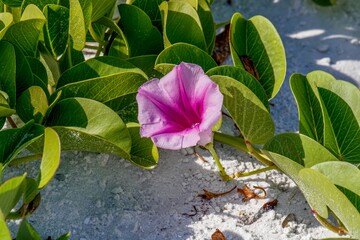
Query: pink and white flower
[180,109]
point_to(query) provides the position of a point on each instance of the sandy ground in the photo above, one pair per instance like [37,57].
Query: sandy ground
[98,196]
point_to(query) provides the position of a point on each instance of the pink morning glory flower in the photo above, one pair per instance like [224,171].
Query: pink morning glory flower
[180,109]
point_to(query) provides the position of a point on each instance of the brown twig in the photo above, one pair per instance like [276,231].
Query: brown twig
[209,195]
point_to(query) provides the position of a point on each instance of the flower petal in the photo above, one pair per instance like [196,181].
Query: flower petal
[187,138]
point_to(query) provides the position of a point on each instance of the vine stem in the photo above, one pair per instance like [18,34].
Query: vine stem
[247,147]
[247,174]
[11,122]
[25,159]
[223,173]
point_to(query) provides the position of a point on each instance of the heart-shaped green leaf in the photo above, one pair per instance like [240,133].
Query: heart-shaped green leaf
[56,29]
[32,104]
[183,52]
[258,40]
[25,34]
[27,231]
[5,21]
[246,109]
[7,77]
[244,77]
[13,141]
[181,23]
[87,125]
[341,114]
[341,174]
[320,193]
[10,193]
[142,37]
[101,8]
[50,160]
[299,148]
[310,116]
[143,153]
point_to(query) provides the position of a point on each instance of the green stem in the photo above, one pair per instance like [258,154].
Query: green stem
[259,156]
[235,142]
[247,174]
[243,145]
[325,223]
[25,159]
[223,174]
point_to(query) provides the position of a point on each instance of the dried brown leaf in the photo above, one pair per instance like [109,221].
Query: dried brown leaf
[218,235]
[250,194]
[270,205]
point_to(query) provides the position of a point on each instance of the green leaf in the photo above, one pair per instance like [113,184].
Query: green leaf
[12,3]
[244,77]
[38,69]
[26,231]
[31,190]
[258,39]
[119,45]
[4,230]
[71,58]
[6,20]
[143,153]
[320,193]
[96,68]
[207,24]
[246,109]
[25,34]
[10,193]
[299,148]
[94,127]
[101,8]
[181,23]
[51,157]
[7,77]
[353,198]
[325,2]
[39,3]
[77,27]
[13,141]
[339,103]
[65,236]
[142,37]
[5,109]
[183,52]
[147,64]
[341,174]
[24,75]
[151,8]
[32,104]
[125,106]
[56,29]
[310,116]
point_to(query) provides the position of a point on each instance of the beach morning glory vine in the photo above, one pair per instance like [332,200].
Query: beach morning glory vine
[180,109]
